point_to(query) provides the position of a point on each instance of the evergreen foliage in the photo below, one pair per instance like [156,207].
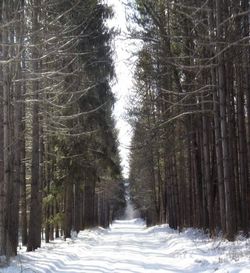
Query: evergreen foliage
[59,148]
[190,157]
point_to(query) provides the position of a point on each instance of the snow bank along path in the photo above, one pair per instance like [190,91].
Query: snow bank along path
[130,247]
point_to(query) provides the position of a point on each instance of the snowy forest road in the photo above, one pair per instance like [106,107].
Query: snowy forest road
[129,247]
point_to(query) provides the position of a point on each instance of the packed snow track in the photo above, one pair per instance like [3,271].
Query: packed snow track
[130,247]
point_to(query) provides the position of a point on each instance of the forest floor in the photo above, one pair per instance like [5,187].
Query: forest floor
[130,247]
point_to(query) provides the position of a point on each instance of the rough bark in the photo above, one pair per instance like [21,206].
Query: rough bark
[34,237]
[89,198]
[229,202]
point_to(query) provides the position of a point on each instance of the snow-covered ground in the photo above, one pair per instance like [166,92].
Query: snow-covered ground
[130,247]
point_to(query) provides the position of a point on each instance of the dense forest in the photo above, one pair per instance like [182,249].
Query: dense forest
[59,162]
[190,154]
[60,169]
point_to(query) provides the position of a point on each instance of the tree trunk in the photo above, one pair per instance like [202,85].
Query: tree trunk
[207,179]
[2,185]
[246,88]
[89,198]
[68,215]
[218,149]
[18,135]
[34,238]
[229,200]
[243,164]
[6,129]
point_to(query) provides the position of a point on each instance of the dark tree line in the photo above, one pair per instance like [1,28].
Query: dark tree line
[59,163]
[190,157]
